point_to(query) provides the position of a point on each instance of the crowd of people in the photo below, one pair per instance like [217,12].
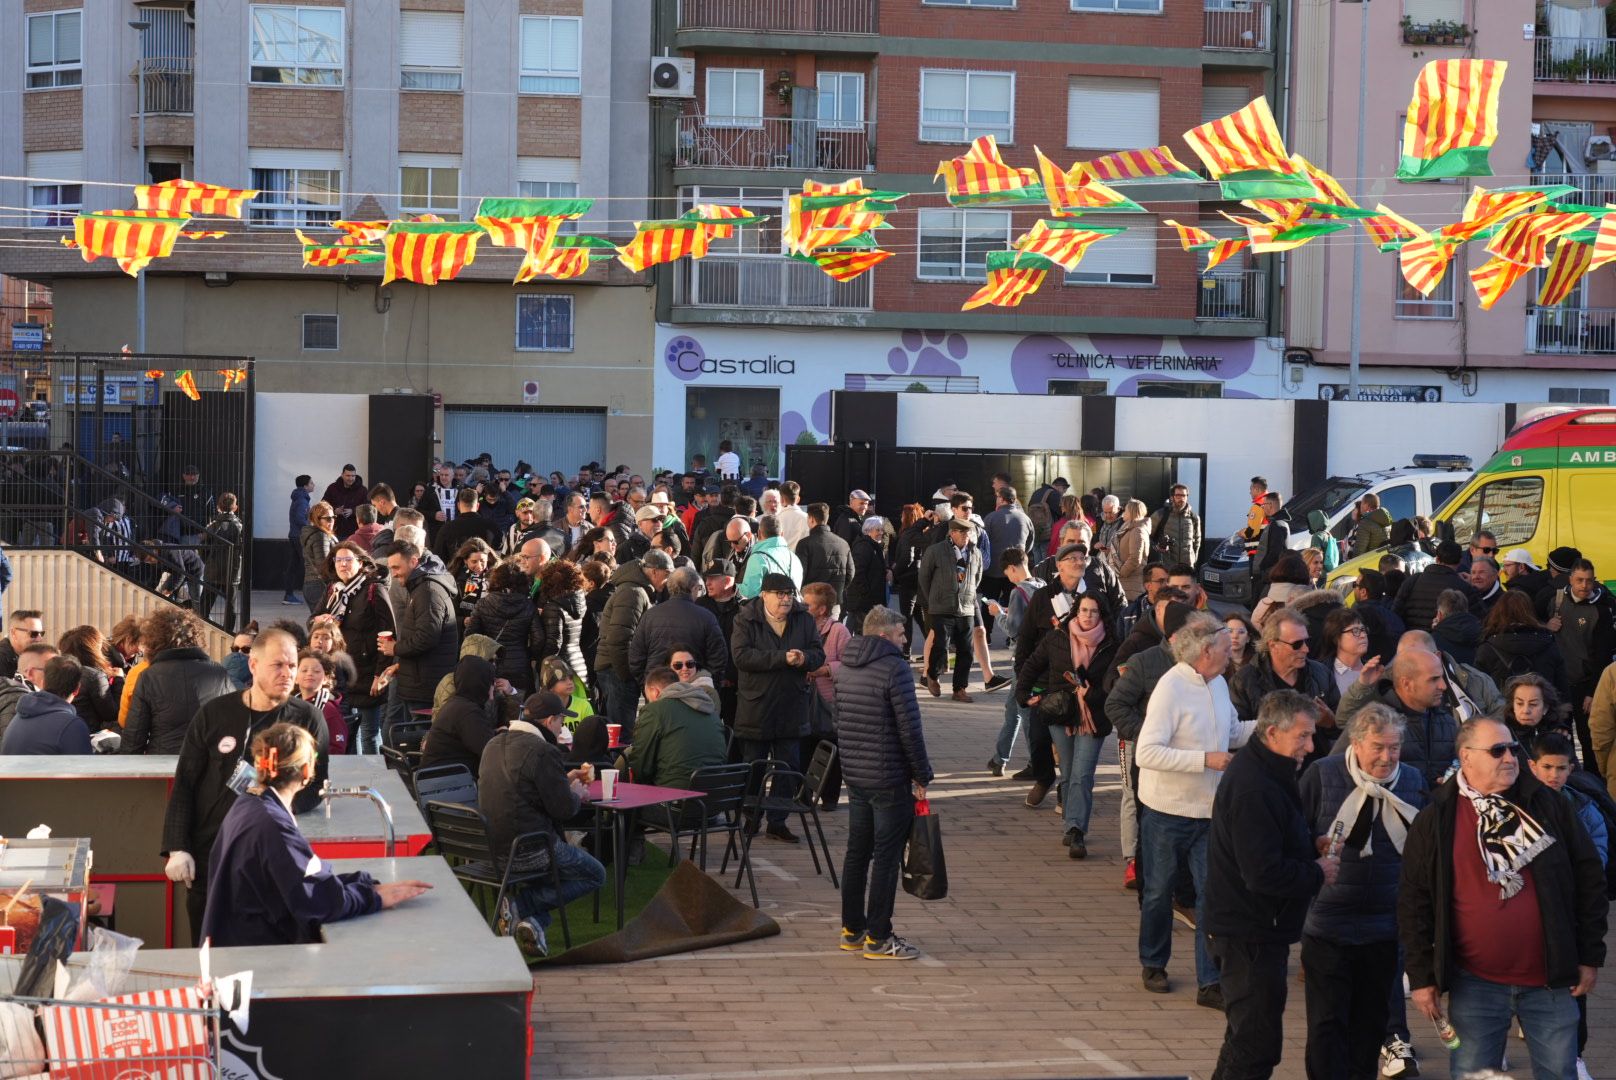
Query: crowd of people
[1404,779]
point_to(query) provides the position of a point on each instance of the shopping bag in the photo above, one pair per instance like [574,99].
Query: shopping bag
[925,876]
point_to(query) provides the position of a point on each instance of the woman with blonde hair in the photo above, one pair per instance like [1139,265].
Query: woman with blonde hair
[1133,547]
[318,540]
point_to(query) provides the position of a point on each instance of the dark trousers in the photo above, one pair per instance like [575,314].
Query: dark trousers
[1253,979]
[955,629]
[1585,740]
[294,567]
[1040,752]
[196,896]
[909,608]
[786,750]
[878,822]
[992,588]
[1346,1006]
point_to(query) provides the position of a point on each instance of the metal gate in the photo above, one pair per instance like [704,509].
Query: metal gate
[547,438]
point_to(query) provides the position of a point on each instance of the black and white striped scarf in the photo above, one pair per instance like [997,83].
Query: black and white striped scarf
[343,595]
[1508,837]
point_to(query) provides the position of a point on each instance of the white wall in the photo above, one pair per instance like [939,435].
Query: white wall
[990,421]
[1367,435]
[304,433]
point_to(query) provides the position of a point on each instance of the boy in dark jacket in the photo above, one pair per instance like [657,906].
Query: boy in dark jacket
[46,722]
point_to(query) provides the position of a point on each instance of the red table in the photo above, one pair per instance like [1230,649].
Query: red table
[631,797]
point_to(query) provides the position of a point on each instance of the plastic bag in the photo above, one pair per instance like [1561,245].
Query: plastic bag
[925,874]
[107,969]
[22,1051]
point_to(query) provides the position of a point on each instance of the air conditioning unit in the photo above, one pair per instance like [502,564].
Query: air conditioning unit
[673,76]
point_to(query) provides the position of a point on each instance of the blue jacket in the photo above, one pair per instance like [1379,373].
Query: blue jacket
[1361,907]
[1593,820]
[267,887]
[298,516]
[5,572]
[878,727]
[46,724]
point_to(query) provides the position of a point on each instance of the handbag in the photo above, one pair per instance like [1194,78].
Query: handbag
[821,715]
[925,874]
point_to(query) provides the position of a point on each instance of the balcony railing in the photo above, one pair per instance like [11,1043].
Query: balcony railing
[1238,25]
[1593,189]
[1580,60]
[168,84]
[781,16]
[723,142]
[769,282]
[1569,330]
[1240,294]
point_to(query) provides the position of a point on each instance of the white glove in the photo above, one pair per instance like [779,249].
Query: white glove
[181,868]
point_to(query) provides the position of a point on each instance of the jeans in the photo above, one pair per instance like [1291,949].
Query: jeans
[581,874]
[393,708]
[878,821]
[622,700]
[1014,715]
[1079,754]
[1346,1005]
[1397,1004]
[1130,804]
[955,629]
[1167,842]
[370,730]
[1253,1006]
[786,750]
[1480,1011]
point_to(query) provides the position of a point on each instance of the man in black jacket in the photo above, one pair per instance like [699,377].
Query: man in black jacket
[1262,870]
[1417,598]
[868,589]
[1272,542]
[679,622]
[825,556]
[848,519]
[428,641]
[949,575]
[721,599]
[1583,618]
[1502,906]
[468,524]
[1282,663]
[1097,574]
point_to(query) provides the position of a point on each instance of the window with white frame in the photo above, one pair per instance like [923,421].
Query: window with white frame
[548,178]
[1120,7]
[1128,258]
[59,191]
[734,97]
[762,239]
[543,323]
[296,188]
[841,100]
[296,46]
[954,244]
[55,49]
[1411,305]
[320,333]
[1104,113]
[962,106]
[429,184]
[551,55]
[972,3]
[430,50]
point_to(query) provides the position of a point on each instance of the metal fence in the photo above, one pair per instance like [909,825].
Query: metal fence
[1594,189]
[802,16]
[728,142]
[168,82]
[1571,330]
[1238,25]
[769,281]
[1569,59]
[1242,294]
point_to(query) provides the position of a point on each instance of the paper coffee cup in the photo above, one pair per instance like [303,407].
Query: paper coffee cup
[614,736]
[608,783]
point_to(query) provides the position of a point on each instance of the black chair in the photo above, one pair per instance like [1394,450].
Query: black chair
[723,789]
[461,834]
[821,775]
[444,783]
[779,787]
[406,737]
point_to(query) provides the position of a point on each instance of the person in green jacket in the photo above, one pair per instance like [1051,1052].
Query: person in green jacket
[678,730]
[1374,525]
[770,555]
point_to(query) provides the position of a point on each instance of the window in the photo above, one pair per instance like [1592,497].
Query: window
[1398,501]
[1411,305]
[319,333]
[1578,395]
[300,46]
[544,323]
[1123,7]
[1426,12]
[548,178]
[1113,114]
[1128,258]
[55,203]
[1077,387]
[734,97]
[841,100]
[1219,101]
[1164,388]
[954,244]
[430,53]
[55,50]
[761,239]
[551,55]
[972,3]
[430,184]
[295,187]
[962,106]
[1507,508]
[1441,491]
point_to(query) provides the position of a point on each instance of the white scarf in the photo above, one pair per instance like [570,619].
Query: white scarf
[1394,814]
[1508,837]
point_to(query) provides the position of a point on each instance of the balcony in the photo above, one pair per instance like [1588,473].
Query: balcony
[724,142]
[1571,331]
[168,85]
[1593,189]
[781,16]
[1238,25]
[1574,60]
[1241,296]
[768,282]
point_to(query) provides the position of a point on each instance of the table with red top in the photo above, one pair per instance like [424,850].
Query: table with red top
[629,798]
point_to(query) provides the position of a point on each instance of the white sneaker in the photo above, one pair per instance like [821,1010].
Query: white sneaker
[1397,1060]
[530,938]
[1582,1071]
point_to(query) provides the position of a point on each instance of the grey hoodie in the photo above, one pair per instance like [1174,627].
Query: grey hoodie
[698,693]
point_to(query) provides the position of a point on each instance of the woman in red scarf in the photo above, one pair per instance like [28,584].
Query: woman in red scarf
[1062,682]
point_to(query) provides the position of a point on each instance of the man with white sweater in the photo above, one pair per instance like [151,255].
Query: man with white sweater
[1190,727]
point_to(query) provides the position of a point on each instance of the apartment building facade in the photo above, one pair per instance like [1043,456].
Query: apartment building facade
[348,110]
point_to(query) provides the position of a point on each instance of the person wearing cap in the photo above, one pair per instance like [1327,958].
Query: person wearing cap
[189,508]
[722,599]
[1557,575]
[769,555]
[635,586]
[527,524]
[678,730]
[774,647]
[524,786]
[647,523]
[346,494]
[950,574]
[1517,571]
[847,520]
[663,501]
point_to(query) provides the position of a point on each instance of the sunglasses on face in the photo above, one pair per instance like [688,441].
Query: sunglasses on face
[33,635]
[1487,550]
[680,665]
[241,648]
[1296,645]
[1497,750]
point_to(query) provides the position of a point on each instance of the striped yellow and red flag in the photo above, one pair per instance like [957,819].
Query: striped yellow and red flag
[232,376]
[1424,261]
[1222,251]
[1525,239]
[69,242]
[1156,163]
[1012,277]
[657,242]
[1060,242]
[429,252]
[1075,190]
[1245,154]
[1571,261]
[133,237]
[845,264]
[200,234]
[189,197]
[708,213]
[1390,230]
[981,171]
[828,227]
[1268,237]
[362,232]
[1605,241]
[1452,119]
[559,263]
[187,384]
[1191,237]
[1331,193]
[1493,278]
[527,233]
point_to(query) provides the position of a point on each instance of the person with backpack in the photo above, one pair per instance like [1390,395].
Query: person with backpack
[1009,616]
[1319,536]
[1514,642]
[1175,529]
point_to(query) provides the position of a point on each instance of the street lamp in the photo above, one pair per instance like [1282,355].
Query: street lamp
[140,26]
[1357,247]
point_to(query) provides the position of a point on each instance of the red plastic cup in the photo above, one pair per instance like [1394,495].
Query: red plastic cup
[614,736]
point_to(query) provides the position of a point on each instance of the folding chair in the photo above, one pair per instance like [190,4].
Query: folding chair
[781,788]
[719,810]
[461,834]
[445,783]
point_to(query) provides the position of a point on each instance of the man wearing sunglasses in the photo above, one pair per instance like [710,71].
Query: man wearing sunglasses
[1283,663]
[1502,906]
[22,630]
[1484,546]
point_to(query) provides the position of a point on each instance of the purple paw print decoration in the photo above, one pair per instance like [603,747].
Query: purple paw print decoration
[683,356]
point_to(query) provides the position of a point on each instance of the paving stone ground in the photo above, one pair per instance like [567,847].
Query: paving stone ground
[1031,966]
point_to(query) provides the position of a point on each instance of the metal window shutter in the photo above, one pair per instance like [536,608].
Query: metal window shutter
[428,161]
[540,170]
[1428,11]
[1113,114]
[66,165]
[1219,101]
[270,157]
[1131,252]
[430,39]
[547,439]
